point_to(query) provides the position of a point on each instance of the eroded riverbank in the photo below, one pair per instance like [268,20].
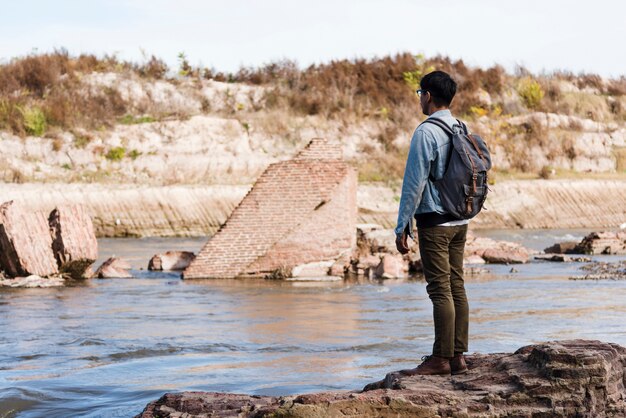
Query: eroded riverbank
[119,211]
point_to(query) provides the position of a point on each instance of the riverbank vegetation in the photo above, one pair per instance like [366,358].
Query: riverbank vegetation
[49,95]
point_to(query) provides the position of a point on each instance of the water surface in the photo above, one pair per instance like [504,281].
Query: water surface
[107,347]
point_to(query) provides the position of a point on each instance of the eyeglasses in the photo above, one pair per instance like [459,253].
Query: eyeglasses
[420,92]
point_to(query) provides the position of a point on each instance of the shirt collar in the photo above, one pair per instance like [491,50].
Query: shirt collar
[441,113]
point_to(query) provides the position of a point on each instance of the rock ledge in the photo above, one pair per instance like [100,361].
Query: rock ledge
[555,379]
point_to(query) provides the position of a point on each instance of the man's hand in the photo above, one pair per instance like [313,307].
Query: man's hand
[401,243]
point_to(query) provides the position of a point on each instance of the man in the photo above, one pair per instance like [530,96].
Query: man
[441,235]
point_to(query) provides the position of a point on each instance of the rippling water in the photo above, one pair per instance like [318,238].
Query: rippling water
[107,347]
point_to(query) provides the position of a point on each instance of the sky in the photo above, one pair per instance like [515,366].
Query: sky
[541,35]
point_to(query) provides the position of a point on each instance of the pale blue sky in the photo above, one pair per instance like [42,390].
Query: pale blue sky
[540,34]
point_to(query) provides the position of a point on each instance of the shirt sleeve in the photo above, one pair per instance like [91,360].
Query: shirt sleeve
[416,172]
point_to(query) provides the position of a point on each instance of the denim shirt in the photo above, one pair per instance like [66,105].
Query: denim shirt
[428,155]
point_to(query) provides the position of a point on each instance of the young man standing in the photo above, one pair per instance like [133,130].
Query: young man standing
[441,235]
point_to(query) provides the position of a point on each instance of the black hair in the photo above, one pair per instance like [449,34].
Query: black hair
[441,86]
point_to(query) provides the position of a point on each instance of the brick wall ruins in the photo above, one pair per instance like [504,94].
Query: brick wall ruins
[299,211]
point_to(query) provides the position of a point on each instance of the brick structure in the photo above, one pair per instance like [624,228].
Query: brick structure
[299,211]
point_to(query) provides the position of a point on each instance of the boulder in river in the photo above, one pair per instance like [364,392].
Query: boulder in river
[171,260]
[568,247]
[25,242]
[113,268]
[74,239]
[391,267]
[579,378]
[501,256]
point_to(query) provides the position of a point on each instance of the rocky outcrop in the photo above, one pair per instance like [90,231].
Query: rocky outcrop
[576,378]
[171,260]
[74,240]
[25,242]
[113,268]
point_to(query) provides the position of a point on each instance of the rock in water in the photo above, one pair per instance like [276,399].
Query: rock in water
[25,242]
[567,247]
[113,268]
[33,281]
[603,243]
[74,239]
[171,260]
[391,267]
[576,378]
[497,256]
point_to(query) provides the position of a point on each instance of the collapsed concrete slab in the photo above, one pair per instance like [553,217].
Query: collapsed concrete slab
[299,211]
[25,242]
[74,242]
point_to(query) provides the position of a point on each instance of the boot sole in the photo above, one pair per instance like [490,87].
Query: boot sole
[459,372]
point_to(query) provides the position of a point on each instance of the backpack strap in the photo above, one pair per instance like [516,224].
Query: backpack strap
[463,127]
[438,122]
[441,124]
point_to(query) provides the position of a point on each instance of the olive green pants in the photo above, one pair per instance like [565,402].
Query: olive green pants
[441,250]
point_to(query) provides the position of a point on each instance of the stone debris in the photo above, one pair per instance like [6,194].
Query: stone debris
[171,260]
[32,244]
[341,266]
[391,267]
[113,268]
[562,258]
[32,281]
[568,247]
[496,252]
[74,242]
[603,243]
[600,270]
[498,256]
[316,269]
[25,242]
[580,378]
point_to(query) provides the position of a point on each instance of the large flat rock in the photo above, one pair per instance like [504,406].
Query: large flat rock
[556,379]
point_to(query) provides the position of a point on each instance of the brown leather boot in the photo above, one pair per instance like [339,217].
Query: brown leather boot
[457,364]
[431,365]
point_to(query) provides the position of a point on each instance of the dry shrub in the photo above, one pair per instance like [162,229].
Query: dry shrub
[617,87]
[590,80]
[48,86]
[154,68]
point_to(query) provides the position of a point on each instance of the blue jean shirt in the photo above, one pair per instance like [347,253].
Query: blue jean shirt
[428,155]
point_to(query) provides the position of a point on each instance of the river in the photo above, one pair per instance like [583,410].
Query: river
[105,348]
